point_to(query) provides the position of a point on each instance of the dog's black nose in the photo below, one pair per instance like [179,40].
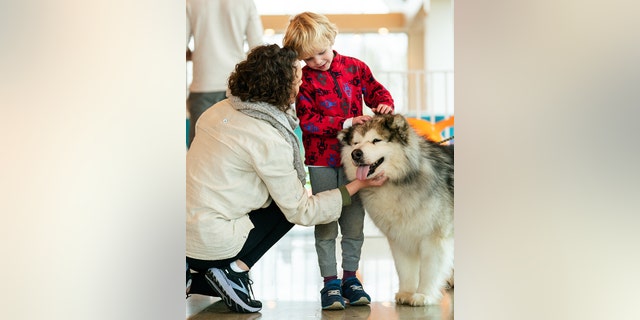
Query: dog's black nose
[356,154]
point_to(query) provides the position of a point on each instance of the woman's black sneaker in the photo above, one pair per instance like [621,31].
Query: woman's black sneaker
[234,288]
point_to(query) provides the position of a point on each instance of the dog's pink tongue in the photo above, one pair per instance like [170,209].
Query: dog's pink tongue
[361,172]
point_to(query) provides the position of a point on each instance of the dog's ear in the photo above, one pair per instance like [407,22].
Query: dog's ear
[400,122]
[344,136]
[399,126]
[387,121]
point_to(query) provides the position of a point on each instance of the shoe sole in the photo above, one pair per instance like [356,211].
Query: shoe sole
[227,293]
[360,302]
[335,306]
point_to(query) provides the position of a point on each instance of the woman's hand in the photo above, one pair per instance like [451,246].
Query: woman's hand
[355,185]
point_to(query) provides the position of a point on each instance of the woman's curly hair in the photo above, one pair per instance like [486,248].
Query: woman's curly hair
[267,75]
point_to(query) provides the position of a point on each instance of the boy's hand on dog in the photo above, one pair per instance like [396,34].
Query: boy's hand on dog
[382,109]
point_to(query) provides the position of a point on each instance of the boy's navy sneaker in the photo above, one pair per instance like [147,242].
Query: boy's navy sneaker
[352,290]
[234,289]
[331,296]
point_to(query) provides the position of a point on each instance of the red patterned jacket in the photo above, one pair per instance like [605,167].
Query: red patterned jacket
[327,99]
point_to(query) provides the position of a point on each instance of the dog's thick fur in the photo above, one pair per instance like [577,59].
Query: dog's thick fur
[414,208]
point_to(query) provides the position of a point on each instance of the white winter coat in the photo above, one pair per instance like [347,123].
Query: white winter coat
[238,164]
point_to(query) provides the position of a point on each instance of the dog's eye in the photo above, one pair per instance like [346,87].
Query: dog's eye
[374,141]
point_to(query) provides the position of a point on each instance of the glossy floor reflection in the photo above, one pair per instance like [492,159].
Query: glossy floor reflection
[287,281]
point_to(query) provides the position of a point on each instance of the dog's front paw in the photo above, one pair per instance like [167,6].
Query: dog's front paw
[411,298]
[416,299]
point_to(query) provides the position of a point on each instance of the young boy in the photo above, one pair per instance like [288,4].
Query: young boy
[330,99]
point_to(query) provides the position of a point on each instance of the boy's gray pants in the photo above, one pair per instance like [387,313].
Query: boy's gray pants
[351,225]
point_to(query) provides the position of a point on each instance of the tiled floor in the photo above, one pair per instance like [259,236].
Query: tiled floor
[287,281]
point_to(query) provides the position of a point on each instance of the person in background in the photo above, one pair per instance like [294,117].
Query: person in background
[245,178]
[220,29]
[330,99]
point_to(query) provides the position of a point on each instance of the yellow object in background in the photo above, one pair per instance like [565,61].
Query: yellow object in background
[431,131]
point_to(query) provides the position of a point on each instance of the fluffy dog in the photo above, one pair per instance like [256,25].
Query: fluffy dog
[414,208]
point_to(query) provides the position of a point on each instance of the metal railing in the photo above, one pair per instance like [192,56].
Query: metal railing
[419,93]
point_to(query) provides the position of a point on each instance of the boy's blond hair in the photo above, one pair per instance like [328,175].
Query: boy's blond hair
[309,32]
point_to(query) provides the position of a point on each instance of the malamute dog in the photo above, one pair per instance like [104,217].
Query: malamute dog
[414,208]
